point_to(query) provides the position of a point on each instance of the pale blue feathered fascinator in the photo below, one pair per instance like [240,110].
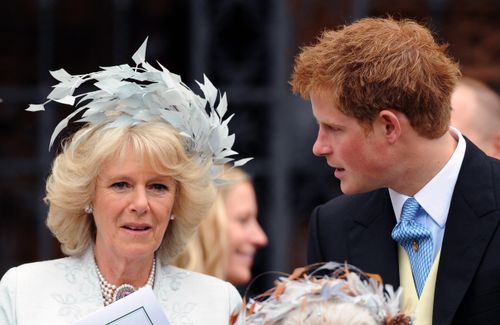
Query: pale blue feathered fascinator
[128,95]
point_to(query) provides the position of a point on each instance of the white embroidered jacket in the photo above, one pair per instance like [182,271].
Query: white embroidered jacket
[64,290]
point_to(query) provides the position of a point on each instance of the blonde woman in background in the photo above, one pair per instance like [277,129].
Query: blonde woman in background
[227,240]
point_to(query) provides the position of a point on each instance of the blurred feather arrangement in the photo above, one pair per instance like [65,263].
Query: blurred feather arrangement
[331,283]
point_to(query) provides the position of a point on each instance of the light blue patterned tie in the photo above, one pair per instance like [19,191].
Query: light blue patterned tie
[416,239]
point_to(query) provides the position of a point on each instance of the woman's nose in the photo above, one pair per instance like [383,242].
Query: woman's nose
[140,203]
[259,238]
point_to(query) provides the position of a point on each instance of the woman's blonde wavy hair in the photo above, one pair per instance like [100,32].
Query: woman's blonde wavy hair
[207,252]
[71,185]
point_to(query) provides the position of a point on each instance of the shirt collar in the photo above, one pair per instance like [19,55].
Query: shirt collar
[435,196]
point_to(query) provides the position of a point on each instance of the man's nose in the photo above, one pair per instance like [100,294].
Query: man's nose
[321,147]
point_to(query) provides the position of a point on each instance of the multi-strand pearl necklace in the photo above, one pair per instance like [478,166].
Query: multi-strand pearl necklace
[112,293]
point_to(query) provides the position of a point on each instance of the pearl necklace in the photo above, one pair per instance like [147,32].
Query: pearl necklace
[112,293]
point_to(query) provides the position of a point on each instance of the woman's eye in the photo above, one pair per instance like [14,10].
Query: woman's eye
[120,185]
[243,220]
[159,187]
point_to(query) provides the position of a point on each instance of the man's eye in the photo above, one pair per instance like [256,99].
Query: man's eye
[332,128]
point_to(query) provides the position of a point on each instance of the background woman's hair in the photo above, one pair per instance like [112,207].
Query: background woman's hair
[328,312]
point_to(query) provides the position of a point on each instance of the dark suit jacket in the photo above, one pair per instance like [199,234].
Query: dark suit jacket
[357,229]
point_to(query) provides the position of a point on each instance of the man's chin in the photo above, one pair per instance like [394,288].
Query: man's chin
[349,189]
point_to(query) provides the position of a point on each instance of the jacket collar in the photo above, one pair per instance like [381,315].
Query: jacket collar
[370,244]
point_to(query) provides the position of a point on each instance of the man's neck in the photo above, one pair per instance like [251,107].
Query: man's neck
[422,159]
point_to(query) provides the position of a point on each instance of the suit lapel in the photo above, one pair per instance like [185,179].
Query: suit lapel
[470,224]
[371,247]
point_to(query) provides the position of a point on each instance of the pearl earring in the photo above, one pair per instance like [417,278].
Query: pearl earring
[172,217]
[88,209]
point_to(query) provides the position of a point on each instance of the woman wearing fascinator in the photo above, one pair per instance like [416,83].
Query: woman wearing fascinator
[125,193]
[333,293]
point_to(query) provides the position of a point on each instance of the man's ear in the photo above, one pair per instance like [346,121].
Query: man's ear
[390,122]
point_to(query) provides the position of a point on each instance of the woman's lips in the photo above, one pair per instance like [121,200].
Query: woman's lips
[136,228]
[245,257]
